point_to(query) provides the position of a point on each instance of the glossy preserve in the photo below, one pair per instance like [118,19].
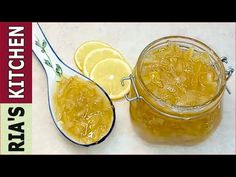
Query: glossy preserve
[175,83]
[82,109]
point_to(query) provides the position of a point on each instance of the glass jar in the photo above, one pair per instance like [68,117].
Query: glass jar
[159,122]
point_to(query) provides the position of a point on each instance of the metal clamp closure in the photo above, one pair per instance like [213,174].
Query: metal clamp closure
[131,78]
[229,71]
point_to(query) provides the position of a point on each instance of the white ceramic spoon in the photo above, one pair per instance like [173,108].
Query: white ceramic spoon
[54,68]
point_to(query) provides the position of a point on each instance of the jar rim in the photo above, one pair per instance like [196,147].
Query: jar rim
[159,100]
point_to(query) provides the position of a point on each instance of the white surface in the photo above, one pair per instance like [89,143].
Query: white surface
[130,39]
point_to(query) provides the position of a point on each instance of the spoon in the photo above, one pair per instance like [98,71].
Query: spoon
[54,67]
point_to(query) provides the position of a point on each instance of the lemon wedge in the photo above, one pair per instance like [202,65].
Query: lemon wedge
[108,74]
[84,49]
[98,55]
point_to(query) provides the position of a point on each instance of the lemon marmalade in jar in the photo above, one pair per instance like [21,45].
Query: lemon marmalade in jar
[178,85]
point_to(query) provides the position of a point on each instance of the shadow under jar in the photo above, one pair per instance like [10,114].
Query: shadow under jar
[161,116]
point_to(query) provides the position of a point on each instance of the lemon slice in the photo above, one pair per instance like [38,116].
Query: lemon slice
[98,55]
[108,74]
[84,49]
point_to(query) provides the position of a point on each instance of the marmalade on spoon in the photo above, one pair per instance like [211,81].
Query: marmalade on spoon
[82,109]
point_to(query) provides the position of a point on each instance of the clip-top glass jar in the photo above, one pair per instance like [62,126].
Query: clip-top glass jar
[160,122]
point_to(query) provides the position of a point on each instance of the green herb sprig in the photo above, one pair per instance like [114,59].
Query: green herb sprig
[57,69]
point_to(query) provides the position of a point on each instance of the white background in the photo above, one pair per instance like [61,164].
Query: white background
[130,39]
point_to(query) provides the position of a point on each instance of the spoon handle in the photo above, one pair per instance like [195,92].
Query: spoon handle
[45,54]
